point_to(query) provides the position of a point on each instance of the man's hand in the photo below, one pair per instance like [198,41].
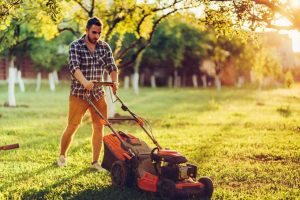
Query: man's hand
[115,87]
[88,85]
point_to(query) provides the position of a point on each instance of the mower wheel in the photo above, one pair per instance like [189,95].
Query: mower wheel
[167,189]
[120,174]
[208,187]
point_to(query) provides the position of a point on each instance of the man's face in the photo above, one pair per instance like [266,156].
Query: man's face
[93,34]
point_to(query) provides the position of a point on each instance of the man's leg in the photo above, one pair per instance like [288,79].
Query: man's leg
[77,108]
[66,138]
[98,127]
[97,140]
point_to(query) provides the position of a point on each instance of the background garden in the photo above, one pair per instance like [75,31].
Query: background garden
[217,80]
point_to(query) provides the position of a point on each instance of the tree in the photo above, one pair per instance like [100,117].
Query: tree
[122,17]
[166,51]
[176,49]
[20,22]
[50,55]
[262,13]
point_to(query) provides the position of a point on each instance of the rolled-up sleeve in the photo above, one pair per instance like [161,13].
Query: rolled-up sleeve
[110,61]
[74,58]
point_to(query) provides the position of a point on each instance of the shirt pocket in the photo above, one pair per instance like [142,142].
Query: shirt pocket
[100,61]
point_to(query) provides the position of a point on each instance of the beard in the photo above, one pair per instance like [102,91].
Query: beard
[93,41]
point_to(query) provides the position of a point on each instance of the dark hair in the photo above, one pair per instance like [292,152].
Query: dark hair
[93,21]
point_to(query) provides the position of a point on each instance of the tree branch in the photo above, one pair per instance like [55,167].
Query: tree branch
[75,33]
[147,42]
[112,27]
[92,9]
[82,6]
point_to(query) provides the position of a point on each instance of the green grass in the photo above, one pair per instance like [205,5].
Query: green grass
[248,143]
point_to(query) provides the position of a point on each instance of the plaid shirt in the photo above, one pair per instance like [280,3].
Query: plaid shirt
[91,65]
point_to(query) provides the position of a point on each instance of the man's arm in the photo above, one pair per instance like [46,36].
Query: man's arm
[114,78]
[74,63]
[112,68]
[86,84]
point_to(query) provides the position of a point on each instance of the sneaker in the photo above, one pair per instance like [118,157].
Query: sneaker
[97,166]
[62,161]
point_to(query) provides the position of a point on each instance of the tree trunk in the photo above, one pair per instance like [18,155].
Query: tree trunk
[135,82]
[38,81]
[126,82]
[11,83]
[51,82]
[20,81]
[183,82]
[218,83]
[177,79]
[153,81]
[170,81]
[240,82]
[204,81]
[195,81]
[55,76]
[260,84]
[142,79]
[111,108]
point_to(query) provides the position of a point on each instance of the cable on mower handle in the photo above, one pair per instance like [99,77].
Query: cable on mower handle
[10,146]
[124,108]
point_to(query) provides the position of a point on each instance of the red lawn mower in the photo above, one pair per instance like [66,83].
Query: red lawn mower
[160,170]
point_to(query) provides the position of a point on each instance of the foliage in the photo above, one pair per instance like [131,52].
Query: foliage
[266,63]
[47,19]
[39,17]
[255,13]
[51,54]
[176,44]
[167,48]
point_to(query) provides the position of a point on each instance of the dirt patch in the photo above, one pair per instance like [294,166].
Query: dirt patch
[17,106]
[284,111]
[266,158]
[297,129]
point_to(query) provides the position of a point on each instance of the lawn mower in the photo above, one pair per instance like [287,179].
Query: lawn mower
[159,170]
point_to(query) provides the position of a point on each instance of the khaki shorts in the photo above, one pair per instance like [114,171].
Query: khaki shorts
[78,107]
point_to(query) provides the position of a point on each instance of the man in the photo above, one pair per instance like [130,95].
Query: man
[88,59]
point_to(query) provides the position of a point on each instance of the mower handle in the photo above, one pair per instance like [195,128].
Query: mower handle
[10,146]
[103,83]
[99,83]
[125,108]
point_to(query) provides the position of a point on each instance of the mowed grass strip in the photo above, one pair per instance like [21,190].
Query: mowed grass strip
[247,142]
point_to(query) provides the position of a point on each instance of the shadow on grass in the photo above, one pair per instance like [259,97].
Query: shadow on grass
[114,193]
[25,176]
[64,189]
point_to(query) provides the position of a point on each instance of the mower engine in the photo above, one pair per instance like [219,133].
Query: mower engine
[176,172]
[177,177]
[187,171]
[170,164]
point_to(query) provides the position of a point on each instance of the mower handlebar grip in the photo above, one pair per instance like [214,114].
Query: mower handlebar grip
[103,83]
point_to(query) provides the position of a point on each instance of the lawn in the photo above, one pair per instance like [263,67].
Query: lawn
[247,142]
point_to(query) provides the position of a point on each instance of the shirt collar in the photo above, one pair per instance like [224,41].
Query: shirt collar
[82,41]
